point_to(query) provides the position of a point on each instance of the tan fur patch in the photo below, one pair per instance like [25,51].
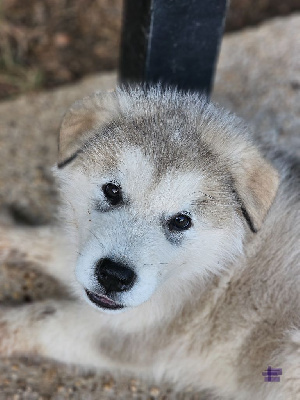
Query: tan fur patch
[256,184]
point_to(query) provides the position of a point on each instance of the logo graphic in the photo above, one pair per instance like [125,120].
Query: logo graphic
[272,374]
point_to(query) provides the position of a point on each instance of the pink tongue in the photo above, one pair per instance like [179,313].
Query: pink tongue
[105,300]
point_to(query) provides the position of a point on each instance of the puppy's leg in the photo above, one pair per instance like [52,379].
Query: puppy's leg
[289,360]
[45,248]
[66,331]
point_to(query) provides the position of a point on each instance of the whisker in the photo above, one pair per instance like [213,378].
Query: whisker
[96,237]
[157,264]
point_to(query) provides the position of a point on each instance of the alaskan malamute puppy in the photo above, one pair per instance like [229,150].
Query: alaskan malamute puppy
[185,241]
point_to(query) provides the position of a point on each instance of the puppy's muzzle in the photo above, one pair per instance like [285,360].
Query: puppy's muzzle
[114,276]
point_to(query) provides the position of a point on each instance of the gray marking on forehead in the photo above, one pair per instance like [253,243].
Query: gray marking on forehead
[156,141]
[155,118]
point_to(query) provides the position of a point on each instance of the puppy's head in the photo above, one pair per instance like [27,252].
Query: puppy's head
[160,188]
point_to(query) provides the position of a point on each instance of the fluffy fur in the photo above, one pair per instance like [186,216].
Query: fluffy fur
[212,306]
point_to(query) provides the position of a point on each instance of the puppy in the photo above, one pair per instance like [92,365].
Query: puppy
[184,241]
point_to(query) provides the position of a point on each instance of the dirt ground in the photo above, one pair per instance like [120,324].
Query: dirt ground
[257,77]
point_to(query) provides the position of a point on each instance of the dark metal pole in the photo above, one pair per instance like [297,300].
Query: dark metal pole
[175,42]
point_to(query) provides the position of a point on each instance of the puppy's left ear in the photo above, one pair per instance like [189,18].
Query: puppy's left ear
[256,184]
[82,121]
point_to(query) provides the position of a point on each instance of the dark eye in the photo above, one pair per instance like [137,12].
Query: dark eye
[112,193]
[181,222]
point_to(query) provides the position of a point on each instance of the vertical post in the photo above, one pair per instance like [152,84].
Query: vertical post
[175,42]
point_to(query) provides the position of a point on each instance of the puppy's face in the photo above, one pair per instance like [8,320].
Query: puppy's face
[152,204]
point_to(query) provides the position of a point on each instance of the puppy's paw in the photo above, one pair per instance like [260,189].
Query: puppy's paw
[14,332]
[24,328]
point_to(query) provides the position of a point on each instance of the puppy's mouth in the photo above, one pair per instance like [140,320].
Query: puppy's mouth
[103,301]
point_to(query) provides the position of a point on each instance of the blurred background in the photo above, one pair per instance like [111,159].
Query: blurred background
[52,42]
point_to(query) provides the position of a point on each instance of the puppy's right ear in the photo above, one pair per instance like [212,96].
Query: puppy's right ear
[82,121]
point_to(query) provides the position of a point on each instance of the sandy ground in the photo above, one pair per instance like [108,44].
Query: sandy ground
[257,77]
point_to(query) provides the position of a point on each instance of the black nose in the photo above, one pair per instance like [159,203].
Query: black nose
[114,276]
